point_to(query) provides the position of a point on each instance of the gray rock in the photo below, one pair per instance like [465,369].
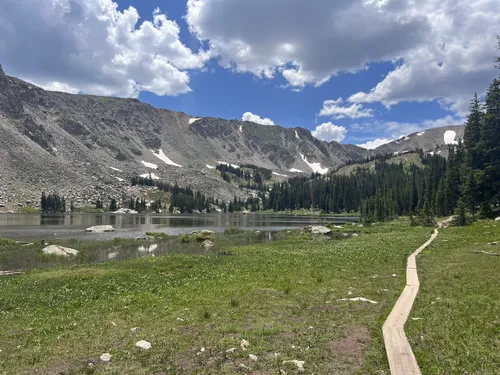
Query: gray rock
[105,357]
[101,229]
[320,229]
[208,245]
[60,251]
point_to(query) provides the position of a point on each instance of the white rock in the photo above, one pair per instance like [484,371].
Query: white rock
[106,357]
[253,357]
[60,251]
[207,244]
[231,350]
[358,299]
[299,364]
[112,255]
[497,219]
[143,344]
[100,229]
[134,330]
[320,229]
[244,344]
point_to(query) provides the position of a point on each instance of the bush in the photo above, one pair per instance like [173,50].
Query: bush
[157,235]
[233,231]
[7,242]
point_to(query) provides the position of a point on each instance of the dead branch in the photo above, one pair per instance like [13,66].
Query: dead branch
[487,253]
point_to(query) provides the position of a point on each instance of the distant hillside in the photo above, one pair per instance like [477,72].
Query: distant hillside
[431,140]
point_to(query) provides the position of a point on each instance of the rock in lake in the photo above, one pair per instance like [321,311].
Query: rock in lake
[101,229]
[59,250]
[320,229]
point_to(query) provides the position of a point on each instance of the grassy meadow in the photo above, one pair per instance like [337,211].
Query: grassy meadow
[454,327]
[281,297]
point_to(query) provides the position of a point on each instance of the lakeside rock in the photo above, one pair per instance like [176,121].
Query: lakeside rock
[125,211]
[319,229]
[208,245]
[100,229]
[60,251]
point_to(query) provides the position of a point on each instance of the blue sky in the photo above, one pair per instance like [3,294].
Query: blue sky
[275,59]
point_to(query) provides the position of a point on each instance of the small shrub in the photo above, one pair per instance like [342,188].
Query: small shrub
[207,314]
[157,235]
[7,242]
[234,302]
[233,231]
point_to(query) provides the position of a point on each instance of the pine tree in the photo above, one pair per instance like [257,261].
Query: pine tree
[472,133]
[490,144]
[460,211]
[43,202]
[113,206]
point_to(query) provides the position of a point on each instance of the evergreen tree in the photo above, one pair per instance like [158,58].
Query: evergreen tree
[113,206]
[472,133]
[490,144]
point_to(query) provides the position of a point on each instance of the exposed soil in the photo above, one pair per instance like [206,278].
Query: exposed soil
[349,351]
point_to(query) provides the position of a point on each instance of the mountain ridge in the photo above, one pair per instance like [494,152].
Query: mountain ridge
[88,147]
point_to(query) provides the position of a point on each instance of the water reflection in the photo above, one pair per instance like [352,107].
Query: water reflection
[34,226]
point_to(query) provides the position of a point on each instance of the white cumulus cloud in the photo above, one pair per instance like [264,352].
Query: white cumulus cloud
[442,50]
[262,36]
[456,61]
[91,46]
[337,110]
[249,116]
[330,132]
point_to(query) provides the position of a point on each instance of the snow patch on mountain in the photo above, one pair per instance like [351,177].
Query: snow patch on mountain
[116,169]
[316,167]
[279,174]
[164,158]
[241,128]
[224,163]
[193,120]
[119,179]
[149,165]
[295,170]
[421,134]
[209,166]
[153,176]
[449,137]
[297,135]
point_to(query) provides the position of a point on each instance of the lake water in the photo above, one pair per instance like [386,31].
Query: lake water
[29,227]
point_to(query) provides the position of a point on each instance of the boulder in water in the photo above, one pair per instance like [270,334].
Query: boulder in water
[100,229]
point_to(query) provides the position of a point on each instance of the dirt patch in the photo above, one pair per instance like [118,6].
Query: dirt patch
[79,367]
[349,351]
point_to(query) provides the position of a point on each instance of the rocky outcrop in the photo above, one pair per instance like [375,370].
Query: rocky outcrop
[60,251]
[319,229]
[101,229]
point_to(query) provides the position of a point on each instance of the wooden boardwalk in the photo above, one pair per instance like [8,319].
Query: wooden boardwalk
[402,361]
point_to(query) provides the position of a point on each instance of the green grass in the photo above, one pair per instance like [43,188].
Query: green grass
[28,210]
[458,307]
[282,297]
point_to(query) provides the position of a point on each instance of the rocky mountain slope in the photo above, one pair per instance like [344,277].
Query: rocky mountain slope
[87,147]
[433,140]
